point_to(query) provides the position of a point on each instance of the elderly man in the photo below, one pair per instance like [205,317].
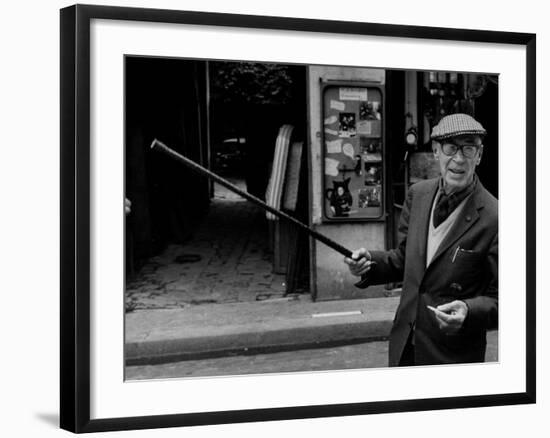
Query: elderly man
[447,257]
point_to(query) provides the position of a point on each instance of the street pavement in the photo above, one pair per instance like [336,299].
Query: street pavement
[345,357]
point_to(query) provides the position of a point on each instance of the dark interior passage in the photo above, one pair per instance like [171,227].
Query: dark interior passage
[164,99]
[227,260]
[188,242]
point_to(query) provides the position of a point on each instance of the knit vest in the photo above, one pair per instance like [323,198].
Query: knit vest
[436,235]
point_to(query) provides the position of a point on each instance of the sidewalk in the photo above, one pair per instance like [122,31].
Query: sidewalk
[204,331]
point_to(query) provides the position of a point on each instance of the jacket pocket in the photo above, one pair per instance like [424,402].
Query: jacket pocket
[466,256]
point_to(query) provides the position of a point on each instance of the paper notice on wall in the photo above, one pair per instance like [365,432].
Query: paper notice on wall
[338,106]
[353,94]
[331,131]
[348,150]
[364,127]
[334,147]
[330,120]
[331,167]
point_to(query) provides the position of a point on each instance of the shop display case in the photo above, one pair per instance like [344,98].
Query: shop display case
[353,151]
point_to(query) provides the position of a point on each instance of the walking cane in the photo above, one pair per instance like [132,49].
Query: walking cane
[158,145]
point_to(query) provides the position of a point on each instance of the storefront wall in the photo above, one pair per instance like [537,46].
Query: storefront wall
[405,110]
[331,279]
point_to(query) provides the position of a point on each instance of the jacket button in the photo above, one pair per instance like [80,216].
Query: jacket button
[456,287]
[468,218]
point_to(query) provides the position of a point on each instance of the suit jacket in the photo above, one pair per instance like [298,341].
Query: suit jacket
[464,267]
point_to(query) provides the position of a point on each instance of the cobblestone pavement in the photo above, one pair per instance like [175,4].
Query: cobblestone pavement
[227,260]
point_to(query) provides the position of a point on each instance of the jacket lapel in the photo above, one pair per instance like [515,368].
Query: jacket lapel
[422,225]
[464,221]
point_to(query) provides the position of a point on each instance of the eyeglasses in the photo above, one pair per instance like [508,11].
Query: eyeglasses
[468,150]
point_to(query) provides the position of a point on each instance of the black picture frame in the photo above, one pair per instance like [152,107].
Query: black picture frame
[75,217]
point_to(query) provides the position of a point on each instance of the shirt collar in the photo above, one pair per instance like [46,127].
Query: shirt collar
[469,187]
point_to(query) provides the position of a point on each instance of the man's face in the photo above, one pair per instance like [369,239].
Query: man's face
[458,170]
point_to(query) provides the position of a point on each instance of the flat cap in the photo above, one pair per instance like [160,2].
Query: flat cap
[457,124]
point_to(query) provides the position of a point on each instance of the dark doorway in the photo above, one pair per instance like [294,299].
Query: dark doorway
[164,99]
[190,242]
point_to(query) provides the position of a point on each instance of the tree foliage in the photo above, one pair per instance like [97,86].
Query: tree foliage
[250,82]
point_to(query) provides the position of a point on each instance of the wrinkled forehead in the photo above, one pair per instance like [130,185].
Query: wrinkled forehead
[465,140]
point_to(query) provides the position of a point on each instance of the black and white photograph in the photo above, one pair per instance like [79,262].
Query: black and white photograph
[369,111]
[215,286]
[370,197]
[269,218]
[371,149]
[147,294]
[347,127]
[373,174]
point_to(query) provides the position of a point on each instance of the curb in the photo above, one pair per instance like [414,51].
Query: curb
[160,336]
